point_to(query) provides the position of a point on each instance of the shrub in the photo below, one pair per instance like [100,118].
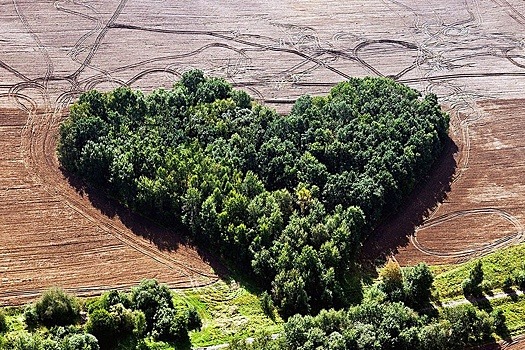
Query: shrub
[23,341]
[194,321]
[80,342]
[267,304]
[103,326]
[57,308]
[520,280]
[507,283]
[31,317]
[118,323]
[418,285]
[392,281]
[169,325]
[472,284]
[149,297]
[499,321]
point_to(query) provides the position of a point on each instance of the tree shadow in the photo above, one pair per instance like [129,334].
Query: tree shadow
[511,293]
[168,237]
[480,301]
[395,230]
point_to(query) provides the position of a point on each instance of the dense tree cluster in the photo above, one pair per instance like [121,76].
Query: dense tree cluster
[288,197]
[388,325]
[115,320]
[381,323]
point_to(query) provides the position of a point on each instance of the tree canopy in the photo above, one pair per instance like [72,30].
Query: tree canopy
[289,198]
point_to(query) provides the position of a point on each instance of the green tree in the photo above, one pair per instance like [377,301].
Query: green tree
[392,281]
[57,308]
[472,284]
[80,342]
[418,285]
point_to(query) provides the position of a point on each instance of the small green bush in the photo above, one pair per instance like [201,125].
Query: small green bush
[267,304]
[520,280]
[194,320]
[57,308]
[507,283]
[80,342]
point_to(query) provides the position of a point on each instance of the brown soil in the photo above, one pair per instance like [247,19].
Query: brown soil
[464,51]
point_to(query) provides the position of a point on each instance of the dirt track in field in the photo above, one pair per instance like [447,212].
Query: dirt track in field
[470,53]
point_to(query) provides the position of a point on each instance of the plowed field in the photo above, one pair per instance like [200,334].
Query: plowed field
[470,53]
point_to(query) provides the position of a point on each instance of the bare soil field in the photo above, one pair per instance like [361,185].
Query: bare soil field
[483,208]
[465,51]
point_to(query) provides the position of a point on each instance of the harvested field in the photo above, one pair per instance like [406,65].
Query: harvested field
[465,51]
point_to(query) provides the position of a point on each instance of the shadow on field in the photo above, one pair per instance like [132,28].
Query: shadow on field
[162,236]
[396,229]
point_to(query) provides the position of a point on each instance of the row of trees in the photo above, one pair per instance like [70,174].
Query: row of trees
[113,319]
[287,198]
[395,313]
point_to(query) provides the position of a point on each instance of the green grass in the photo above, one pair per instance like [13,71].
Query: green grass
[227,311]
[514,311]
[496,267]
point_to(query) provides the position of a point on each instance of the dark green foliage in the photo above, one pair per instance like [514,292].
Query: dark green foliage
[103,326]
[385,325]
[418,286]
[472,284]
[31,317]
[499,322]
[288,198]
[267,304]
[468,326]
[194,321]
[55,308]
[150,311]
[169,325]
[520,280]
[507,283]
[80,342]
[3,322]
[150,297]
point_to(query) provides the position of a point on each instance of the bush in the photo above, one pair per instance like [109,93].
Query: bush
[499,321]
[103,326]
[194,321]
[23,341]
[418,285]
[80,342]
[507,283]
[56,308]
[149,297]
[392,281]
[267,304]
[118,323]
[520,280]
[472,284]
[31,317]
[169,325]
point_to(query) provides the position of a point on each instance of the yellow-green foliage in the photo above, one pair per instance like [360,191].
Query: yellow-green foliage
[227,310]
[496,267]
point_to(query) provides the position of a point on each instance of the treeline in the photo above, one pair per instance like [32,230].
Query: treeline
[395,314]
[287,198]
[134,320]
